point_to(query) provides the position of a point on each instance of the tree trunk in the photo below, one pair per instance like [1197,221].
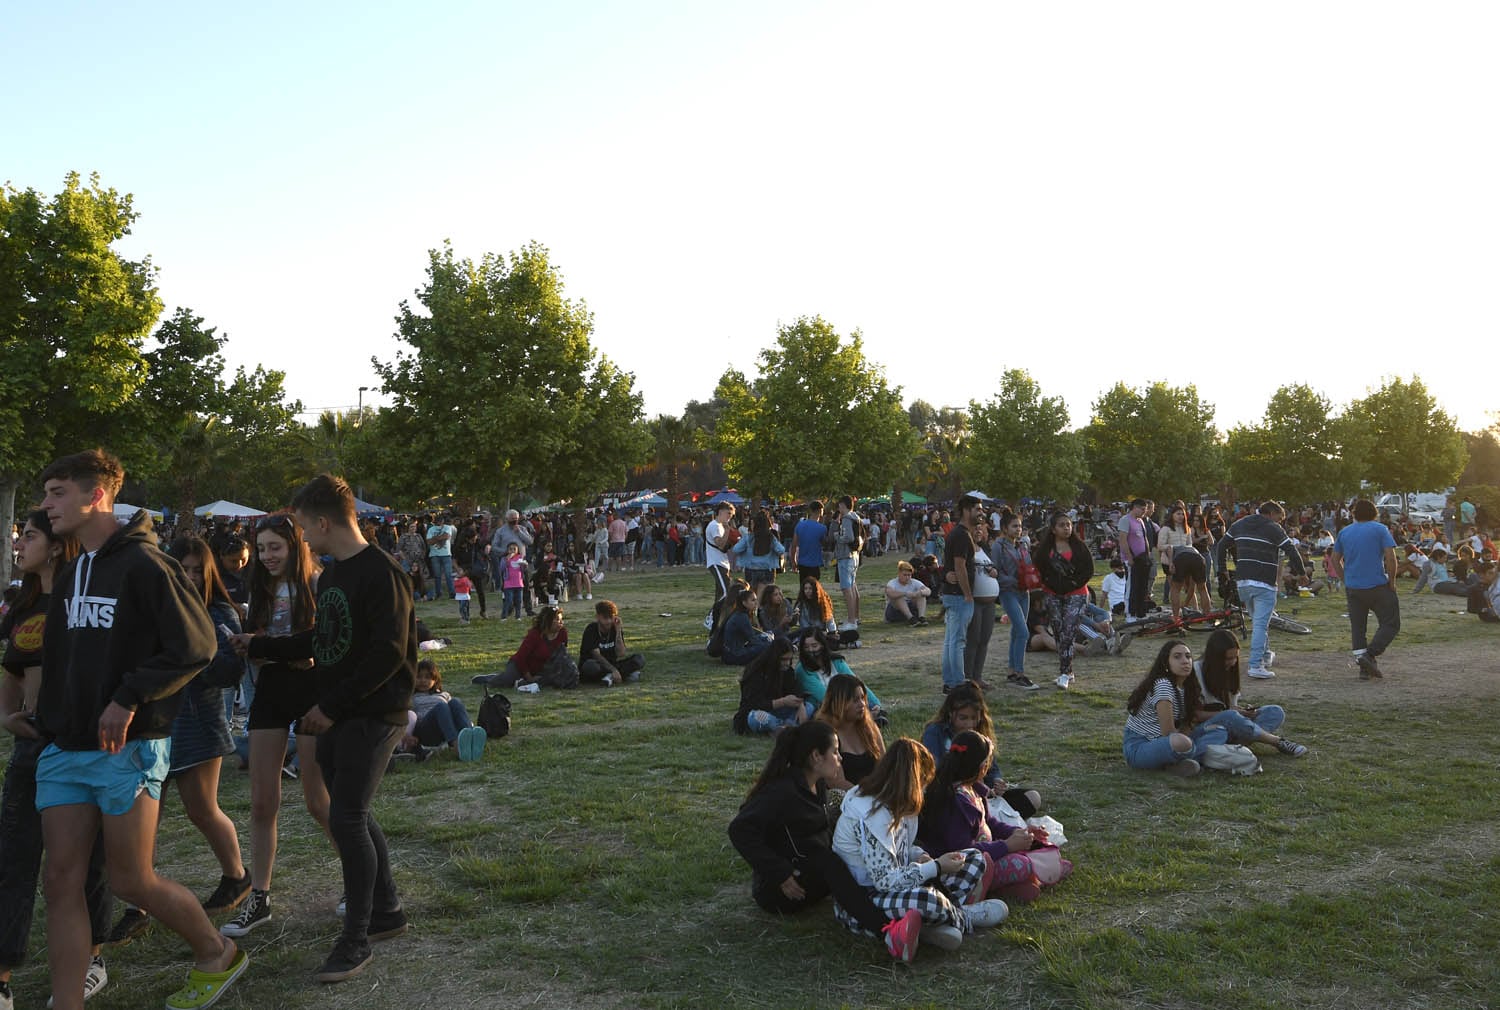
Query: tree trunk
[8,485]
[673,491]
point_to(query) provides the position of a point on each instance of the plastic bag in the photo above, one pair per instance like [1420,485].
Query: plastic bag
[1052,826]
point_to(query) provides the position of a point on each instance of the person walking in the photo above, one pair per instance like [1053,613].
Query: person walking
[1364,556]
[1257,539]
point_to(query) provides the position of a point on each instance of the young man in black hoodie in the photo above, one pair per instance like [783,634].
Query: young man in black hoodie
[125,631]
[365,646]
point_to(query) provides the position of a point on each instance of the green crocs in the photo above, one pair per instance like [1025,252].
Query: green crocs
[471,741]
[205,987]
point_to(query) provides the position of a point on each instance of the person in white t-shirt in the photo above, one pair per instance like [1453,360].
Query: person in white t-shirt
[906,597]
[1114,586]
[716,543]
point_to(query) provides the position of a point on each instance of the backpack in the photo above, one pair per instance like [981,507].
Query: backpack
[494,715]
[561,671]
[857,544]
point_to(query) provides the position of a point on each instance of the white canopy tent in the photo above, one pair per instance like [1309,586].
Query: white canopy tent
[123,512]
[226,508]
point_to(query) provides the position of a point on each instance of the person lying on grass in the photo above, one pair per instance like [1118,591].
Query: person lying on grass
[955,815]
[876,837]
[846,708]
[784,831]
[1218,677]
[1159,733]
[964,709]
[817,664]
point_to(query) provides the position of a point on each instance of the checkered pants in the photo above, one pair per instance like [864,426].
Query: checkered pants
[938,902]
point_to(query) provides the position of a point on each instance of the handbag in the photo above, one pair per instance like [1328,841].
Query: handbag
[1029,579]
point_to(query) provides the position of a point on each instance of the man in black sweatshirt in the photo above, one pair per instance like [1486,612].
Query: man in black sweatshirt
[365,647]
[125,631]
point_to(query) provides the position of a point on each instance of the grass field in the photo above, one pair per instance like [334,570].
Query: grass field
[584,861]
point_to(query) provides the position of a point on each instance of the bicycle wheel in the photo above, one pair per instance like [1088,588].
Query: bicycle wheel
[1288,625]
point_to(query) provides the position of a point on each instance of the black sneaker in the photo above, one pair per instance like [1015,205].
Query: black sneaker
[132,925]
[383,927]
[1022,681]
[345,961]
[1368,670]
[228,894]
[256,911]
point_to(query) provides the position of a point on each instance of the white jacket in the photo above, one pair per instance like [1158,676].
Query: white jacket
[880,853]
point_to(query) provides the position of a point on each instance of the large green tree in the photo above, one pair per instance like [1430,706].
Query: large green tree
[1408,444]
[1484,458]
[819,419]
[1299,452]
[496,387]
[1019,444]
[1158,442]
[74,317]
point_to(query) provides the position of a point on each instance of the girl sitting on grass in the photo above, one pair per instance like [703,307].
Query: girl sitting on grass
[769,701]
[442,719]
[955,815]
[1218,676]
[876,837]
[743,639]
[846,708]
[817,664]
[784,831]
[1159,733]
[964,709]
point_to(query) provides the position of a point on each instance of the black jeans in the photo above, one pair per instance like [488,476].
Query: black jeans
[821,872]
[353,755]
[1142,575]
[1386,605]
[477,575]
[21,859]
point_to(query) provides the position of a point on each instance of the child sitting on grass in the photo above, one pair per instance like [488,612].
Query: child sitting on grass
[963,710]
[441,719]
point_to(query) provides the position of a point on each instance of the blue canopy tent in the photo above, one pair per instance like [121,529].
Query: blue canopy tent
[365,510]
[719,497]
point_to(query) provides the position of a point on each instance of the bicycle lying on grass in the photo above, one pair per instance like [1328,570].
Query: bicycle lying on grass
[1231,618]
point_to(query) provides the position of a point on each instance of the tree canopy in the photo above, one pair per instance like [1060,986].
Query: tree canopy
[1019,443]
[1299,452]
[1158,442]
[1408,444]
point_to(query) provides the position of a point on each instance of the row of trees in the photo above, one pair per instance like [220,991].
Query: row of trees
[496,392]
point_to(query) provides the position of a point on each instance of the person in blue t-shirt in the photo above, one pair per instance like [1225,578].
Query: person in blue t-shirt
[1364,556]
[807,544]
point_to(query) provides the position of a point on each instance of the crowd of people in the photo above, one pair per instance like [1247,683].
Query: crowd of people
[293,642]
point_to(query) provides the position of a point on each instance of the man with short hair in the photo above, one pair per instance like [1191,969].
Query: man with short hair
[958,590]
[1136,552]
[617,534]
[365,647]
[125,632]
[512,531]
[807,544]
[1364,556]
[1257,540]
[440,555]
[716,553]
[847,536]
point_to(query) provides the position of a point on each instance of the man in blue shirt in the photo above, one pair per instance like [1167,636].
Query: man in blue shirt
[1364,556]
[807,544]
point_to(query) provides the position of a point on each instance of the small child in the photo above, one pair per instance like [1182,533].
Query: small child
[512,581]
[462,587]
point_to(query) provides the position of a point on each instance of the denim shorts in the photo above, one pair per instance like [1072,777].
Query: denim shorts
[110,782]
[847,568]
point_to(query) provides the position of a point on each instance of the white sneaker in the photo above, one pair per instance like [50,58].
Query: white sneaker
[1259,673]
[92,982]
[990,912]
[1269,660]
[588,596]
[529,688]
[1064,681]
[943,936]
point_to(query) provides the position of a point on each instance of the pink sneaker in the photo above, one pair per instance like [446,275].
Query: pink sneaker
[901,935]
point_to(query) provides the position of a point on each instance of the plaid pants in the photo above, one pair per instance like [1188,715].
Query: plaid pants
[1064,614]
[940,901]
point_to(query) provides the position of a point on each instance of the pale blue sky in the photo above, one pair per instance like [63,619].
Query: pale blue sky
[1090,191]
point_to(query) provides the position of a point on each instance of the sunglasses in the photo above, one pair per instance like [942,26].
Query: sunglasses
[279,521]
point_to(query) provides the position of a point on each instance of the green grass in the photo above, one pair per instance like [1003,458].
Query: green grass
[584,861]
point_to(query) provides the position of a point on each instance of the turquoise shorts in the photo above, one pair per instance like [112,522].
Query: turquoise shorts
[110,782]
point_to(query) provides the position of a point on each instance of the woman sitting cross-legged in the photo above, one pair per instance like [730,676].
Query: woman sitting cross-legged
[784,831]
[743,639]
[1158,733]
[769,699]
[1218,676]
[846,708]
[876,837]
[817,664]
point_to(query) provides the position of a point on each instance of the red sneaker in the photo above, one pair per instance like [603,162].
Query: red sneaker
[901,935]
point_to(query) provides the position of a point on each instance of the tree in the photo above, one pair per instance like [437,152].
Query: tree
[1484,459]
[675,443]
[497,387]
[74,315]
[819,419]
[1158,442]
[1408,443]
[1296,453]
[1019,443]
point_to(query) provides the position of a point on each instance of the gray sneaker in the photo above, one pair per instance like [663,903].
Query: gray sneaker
[943,936]
[255,912]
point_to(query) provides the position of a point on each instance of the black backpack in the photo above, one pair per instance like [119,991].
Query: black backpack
[494,715]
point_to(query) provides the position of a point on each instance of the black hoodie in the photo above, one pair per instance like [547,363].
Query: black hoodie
[124,625]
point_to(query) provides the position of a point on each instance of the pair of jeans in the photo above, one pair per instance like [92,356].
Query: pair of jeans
[957,613]
[353,754]
[977,643]
[1386,605]
[760,721]
[1151,753]
[1243,729]
[21,859]
[441,723]
[1261,602]
[442,574]
[1141,576]
[1018,608]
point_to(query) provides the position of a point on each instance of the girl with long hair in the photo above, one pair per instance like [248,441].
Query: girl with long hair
[42,554]
[1159,732]
[1008,551]
[743,638]
[769,699]
[774,616]
[783,832]
[282,603]
[1065,564]
[964,710]
[846,708]
[1218,676]
[876,837]
[760,554]
[955,815]
[818,664]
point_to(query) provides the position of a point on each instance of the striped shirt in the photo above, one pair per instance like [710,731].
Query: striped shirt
[1144,722]
[1257,540]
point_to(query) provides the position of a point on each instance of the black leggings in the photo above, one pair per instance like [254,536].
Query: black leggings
[353,754]
[821,872]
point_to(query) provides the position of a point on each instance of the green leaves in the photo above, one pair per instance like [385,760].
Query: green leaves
[1408,443]
[1299,452]
[1020,445]
[1158,442]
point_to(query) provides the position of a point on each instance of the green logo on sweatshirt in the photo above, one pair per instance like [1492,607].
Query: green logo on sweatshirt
[335,627]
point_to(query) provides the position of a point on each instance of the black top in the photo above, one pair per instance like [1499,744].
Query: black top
[593,640]
[21,630]
[771,824]
[857,766]
[958,545]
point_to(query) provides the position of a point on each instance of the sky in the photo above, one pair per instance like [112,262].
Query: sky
[1232,196]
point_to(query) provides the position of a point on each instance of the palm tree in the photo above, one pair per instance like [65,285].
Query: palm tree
[194,456]
[675,443]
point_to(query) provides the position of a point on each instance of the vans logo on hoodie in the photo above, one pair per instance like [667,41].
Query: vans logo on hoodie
[91,612]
